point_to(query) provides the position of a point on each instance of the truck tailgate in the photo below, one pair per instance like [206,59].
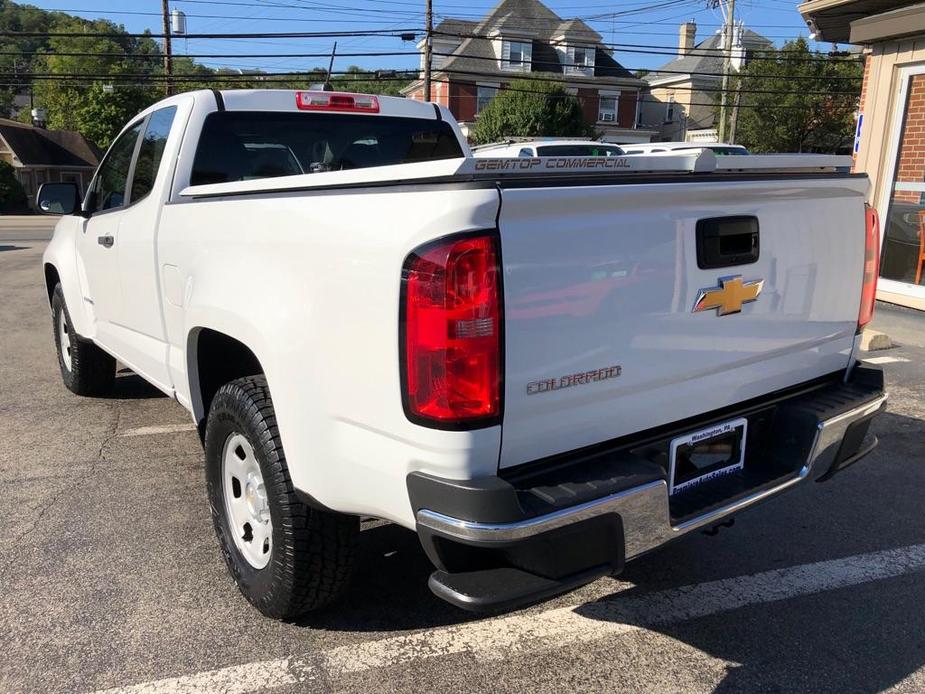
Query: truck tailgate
[600,283]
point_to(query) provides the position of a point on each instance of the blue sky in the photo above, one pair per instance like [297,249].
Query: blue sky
[637,23]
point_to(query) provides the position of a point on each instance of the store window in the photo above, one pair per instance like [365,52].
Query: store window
[903,253]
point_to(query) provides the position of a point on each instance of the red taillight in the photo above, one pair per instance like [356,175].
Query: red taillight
[336,101]
[451,332]
[871,266]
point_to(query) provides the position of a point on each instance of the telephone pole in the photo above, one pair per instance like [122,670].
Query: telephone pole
[734,118]
[168,56]
[730,7]
[428,37]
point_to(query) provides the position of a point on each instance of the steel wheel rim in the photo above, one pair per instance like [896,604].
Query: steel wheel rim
[64,339]
[247,508]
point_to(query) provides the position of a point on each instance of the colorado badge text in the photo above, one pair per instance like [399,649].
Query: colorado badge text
[729,296]
[550,384]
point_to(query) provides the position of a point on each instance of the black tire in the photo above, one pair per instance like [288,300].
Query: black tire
[91,371]
[313,551]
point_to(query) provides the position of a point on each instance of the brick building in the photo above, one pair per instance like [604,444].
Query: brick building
[472,61]
[890,141]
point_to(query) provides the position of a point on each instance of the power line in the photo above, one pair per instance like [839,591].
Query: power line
[373,54]
[289,77]
[657,70]
[250,81]
[754,53]
[158,56]
[593,83]
[262,35]
[455,15]
[295,75]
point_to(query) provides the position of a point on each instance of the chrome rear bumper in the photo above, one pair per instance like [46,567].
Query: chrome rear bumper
[644,510]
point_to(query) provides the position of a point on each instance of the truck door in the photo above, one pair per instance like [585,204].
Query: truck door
[140,320]
[98,241]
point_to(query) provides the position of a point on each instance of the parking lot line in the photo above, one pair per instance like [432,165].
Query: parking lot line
[162,429]
[886,360]
[501,637]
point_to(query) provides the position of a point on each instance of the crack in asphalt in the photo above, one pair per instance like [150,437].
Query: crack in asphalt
[44,508]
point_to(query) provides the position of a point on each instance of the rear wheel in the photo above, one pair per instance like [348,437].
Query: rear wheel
[85,368]
[287,558]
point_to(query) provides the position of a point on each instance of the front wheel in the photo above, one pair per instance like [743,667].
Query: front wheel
[85,368]
[286,558]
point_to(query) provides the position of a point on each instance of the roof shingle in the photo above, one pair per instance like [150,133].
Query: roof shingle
[529,19]
[706,58]
[39,147]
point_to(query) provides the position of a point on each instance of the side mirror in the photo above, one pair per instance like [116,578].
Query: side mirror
[57,198]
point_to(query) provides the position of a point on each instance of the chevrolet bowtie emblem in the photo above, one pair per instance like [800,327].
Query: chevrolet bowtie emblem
[729,296]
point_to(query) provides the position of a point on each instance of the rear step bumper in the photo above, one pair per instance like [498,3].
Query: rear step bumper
[499,543]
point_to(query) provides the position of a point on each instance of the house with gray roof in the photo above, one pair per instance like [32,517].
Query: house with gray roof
[40,156]
[473,60]
[680,103]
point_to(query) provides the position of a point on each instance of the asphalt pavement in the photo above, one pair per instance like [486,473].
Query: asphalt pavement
[111,576]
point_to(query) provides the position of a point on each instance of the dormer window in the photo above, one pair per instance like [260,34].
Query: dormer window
[581,60]
[517,56]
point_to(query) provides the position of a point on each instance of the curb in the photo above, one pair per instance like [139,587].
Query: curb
[874,340]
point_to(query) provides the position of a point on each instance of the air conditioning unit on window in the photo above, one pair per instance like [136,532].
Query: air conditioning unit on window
[607,117]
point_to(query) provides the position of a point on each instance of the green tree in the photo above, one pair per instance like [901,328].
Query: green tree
[366,82]
[17,53]
[531,108]
[12,196]
[73,94]
[96,84]
[809,105]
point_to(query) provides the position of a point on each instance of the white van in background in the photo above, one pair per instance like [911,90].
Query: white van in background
[718,148]
[548,148]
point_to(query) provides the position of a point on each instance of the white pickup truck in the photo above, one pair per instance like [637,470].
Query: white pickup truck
[543,366]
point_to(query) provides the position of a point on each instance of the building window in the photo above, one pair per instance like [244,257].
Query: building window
[581,60]
[669,110]
[607,108]
[518,55]
[485,93]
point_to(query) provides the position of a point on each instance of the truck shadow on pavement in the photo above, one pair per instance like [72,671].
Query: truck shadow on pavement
[866,637]
[129,386]
[389,590]
[13,248]
[859,639]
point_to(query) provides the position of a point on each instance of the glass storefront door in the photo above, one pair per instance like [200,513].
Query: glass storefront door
[902,257]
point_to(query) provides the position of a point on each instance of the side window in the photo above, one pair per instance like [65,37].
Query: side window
[112,178]
[151,151]
[525,152]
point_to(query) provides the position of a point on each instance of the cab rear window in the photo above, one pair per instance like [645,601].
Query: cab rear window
[247,145]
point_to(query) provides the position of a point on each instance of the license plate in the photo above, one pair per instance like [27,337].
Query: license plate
[704,455]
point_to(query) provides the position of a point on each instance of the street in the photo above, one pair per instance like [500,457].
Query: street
[112,579]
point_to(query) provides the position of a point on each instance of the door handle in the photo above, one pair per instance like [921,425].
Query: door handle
[105,241]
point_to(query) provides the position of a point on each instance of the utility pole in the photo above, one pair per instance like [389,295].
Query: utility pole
[168,56]
[727,65]
[734,118]
[428,46]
